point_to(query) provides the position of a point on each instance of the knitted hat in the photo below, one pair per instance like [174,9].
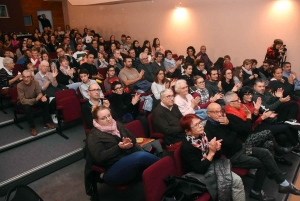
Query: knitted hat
[278,41]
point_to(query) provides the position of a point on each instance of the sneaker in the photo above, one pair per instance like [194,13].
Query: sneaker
[292,122]
[54,118]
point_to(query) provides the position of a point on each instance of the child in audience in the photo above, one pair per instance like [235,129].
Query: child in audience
[227,62]
[35,58]
[102,50]
[32,68]
[85,83]
[100,62]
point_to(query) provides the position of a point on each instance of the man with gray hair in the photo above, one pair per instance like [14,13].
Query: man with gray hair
[48,85]
[7,78]
[166,118]
[30,94]
[146,66]
[118,58]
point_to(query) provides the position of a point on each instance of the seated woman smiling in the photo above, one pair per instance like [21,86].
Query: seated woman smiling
[114,148]
[203,157]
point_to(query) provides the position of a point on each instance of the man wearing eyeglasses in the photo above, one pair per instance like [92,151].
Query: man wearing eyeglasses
[166,117]
[93,92]
[147,67]
[30,94]
[242,157]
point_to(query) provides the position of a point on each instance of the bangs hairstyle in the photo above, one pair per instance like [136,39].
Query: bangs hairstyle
[196,78]
[222,76]
[243,91]
[236,73]
[185,122]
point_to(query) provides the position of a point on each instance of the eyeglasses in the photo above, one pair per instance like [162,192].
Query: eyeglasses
[94,90]
[170,96]
[237,100]
[216,112]
[185,87]
[201,82]
[26,77]
[111,70]
[118,88]
[248,94]
[105,117]
[198,124]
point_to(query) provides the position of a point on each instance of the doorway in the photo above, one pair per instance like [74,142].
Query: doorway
[48,14]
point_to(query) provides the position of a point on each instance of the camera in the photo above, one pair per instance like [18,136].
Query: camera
[283,49]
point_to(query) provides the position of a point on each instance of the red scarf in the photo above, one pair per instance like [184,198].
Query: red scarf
[240,113]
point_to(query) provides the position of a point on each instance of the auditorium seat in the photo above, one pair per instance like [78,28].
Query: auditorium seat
[53,55]
[18,68]
[153,134]
[136,129]
[155,186]
[68,108]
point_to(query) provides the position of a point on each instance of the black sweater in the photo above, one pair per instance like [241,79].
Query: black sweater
[246,80]
[286,86]
[230,144]
[192,158]
[227,87]
[189,80]
[64,79]
[104,149]
[167,123]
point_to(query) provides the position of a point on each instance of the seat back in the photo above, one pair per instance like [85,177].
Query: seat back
[102,72]
[53,55]
[65,93]
[135,127]
[14,95]
[22,192]
[153,178]
[150,123]
[178,162]
[18,68]
[79,93]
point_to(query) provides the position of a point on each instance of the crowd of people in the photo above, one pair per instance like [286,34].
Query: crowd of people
[248,113]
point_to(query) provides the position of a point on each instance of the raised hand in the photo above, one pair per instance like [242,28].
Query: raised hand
[279,93]
[257,104]
[135,99]
[220,85]
[223,120]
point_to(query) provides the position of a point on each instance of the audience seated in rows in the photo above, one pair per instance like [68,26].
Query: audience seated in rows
[243,157]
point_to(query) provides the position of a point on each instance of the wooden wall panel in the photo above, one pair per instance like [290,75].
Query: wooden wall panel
[15,22]
[30,7]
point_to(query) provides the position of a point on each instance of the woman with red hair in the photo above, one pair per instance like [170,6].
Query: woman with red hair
[203,157]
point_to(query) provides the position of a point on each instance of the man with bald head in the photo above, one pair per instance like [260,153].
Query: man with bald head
[241,157]
[30,94]
[94,99]
[146,66]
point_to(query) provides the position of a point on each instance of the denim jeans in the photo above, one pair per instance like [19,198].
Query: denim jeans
[129,168]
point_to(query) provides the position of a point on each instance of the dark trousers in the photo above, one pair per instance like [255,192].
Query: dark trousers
[29,115]
[287,111]
[261,159]
[278,129]
[145,125]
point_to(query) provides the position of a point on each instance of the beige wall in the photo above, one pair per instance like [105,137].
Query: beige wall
[241,28]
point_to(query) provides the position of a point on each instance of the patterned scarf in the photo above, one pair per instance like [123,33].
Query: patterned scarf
[204,95]
[112,129]
[249,72]
[200,143]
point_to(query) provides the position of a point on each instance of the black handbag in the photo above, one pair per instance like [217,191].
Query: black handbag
[183,189]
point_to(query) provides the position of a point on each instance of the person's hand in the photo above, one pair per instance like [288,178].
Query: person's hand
[195,101]
[255,75]
[286,99]
[70,72]
[219,144]
[273,115]
[237,87]
[135,99]
[54,73]
[99,76]
[126,140]
[18,76]
[217,96]
[212,145]
[257,104]
[44,98]
[125,146]
[198,57]
[141,74]
[266,115]
[291,79]
[223,120]
[173,82]
[248,113]
[106,103]
[279,93]
[295,74]
[220,86]
[120,57]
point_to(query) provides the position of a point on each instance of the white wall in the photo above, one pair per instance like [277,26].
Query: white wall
[241,28]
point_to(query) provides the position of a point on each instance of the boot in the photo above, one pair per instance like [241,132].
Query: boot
[281,150]
[296,150]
